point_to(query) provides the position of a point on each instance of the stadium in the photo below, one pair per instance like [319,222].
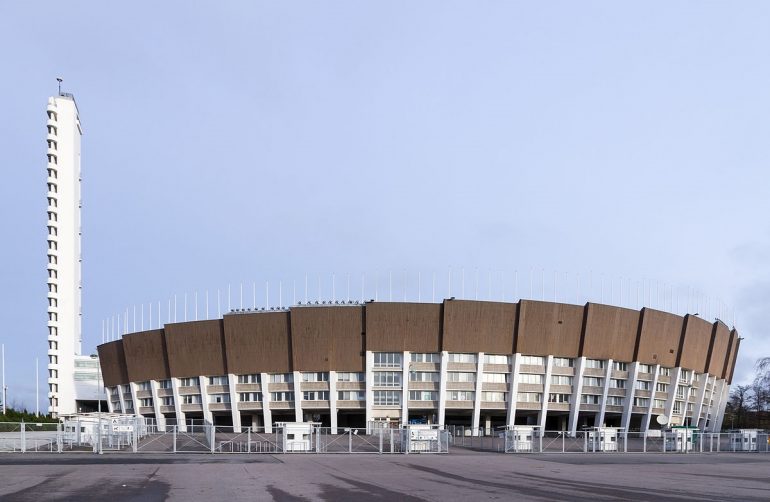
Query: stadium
[475,364]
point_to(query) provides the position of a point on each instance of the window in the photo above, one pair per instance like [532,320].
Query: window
[53,359]
[619,366]
[191,399]
[460,395]
[614,401]
[164,384]
[496,359]
[81,376]
[561,380]
[282,396]
[387,398]
[661,387]
[559,398]
[659,403]
[533,360]
[690,407]
[51,115]
[593,381]
[424,376]
[423,395]
[563,362]
[218,380]
[590,399]
[680,392]
[282,378]
[219,398]
[645,368]
[643,385]
[595,363]
[53,316]
[53,331]
[387,359]
[529,397]
[462,358]
[418,357]
[315,377]
[315,395]
[496,377]
[665,372]
[456,376]
[53,345]
[351,395]
[617,383]
[350,377]
[52,130]
[642,401]
[250,397]
[497,397]
[167,401]
[252,378]
[144,386]
[387,378]
[677,407]
[530,378]
[189,382]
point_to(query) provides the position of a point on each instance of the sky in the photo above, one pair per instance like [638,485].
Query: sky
[604,151]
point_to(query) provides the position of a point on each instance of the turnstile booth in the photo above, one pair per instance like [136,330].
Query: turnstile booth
[603,439]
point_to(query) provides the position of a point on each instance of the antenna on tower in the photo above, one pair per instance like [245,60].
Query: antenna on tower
[59,79]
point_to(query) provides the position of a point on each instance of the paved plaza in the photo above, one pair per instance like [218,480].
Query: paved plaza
[461,475]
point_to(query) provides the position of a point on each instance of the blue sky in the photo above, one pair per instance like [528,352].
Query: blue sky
[248,142]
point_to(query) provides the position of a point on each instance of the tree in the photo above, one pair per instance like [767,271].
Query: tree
[737,410]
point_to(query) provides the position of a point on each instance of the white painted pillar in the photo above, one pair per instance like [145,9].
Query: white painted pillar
[546,392]
[513,389]
[475,422]
[160,419]
[675,373]
[577,390]
[442,388]
[646,420]
[405,388]
[133,388]
[369,386]
[599,418]
[203,384]
[232,381]
[716,399]
[725,394]
[298,397]
[698,408]
[333,401]
[180,416]
[633,376]
[109,401]
[122,400]
[267,414]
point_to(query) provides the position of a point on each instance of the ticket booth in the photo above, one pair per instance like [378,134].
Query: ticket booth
[297,436]
[744,440]
[681,439]
[423,438]
[520,438]
[603,439]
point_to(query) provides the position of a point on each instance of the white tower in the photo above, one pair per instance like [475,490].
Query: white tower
[64,276]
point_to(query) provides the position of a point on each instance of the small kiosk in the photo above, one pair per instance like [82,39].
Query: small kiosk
[422,438]
[603,439]
[682,438]
[297,436]
[744,440]
[521,438]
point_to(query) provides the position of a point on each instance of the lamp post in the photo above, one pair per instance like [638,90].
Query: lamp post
[98,403]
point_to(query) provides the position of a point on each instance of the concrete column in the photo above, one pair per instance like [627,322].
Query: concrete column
[698,408]
[675,373]
[633,375]
[546,391]
[599,418]
[577,390]
[716,399]
[267,415]
[725,394]
[333,401]
[232,381]
[648,417]
[135,400]
[369,386]
[160,420]
[298,397]
[686,403]
[180,416]
[109,401]
[405,388]
[513,389]
[442,389]
[477,393]
[203,383]
[122,400]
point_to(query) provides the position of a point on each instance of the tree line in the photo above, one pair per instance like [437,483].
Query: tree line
[749,405]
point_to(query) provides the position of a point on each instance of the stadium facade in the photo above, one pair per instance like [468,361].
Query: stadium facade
[471,363]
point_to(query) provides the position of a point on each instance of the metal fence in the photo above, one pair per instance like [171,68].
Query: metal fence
[672,441]
[135,435]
